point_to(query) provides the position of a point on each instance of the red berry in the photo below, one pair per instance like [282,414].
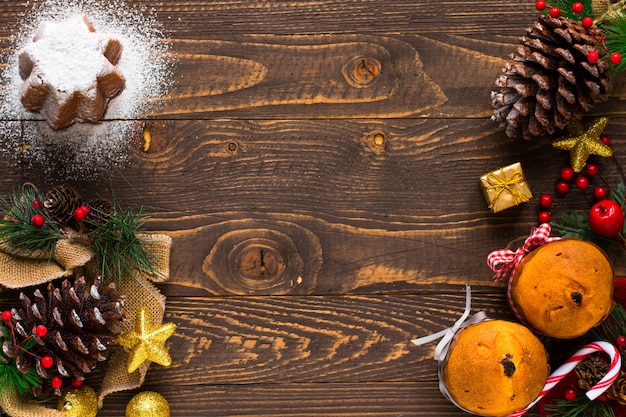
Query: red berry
[544,217]
[600,193]
[7,316]
[616,58]
[621,341]
[56,382]
[81,213]
[570,394]
[41,330]
[587,22]
[606,218]
[605,139]
[545,200]
[47,362]
[541,5]
[562,187]
[37,220]
[567,174]
[582,182]
[37,205]
[555,12]
[593,57]
[578,7]
[591,170]
[77,382]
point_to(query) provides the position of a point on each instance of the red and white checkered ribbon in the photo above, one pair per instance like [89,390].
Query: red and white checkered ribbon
[598,389]
[504,261]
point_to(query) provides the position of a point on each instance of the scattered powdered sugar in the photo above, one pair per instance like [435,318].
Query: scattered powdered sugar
[87,149]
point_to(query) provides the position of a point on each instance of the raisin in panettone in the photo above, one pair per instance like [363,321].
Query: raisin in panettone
[563,288]
[495,367]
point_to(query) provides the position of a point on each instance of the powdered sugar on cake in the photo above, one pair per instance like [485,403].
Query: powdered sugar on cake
[145,64]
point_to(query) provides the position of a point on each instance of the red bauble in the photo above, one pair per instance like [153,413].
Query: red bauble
[545,200]
[37,204]
[593,57]
[541,5]
[544,217]
[621,341]
[591,170]
[570,394]
[587,22]
[600,193]
[605,139]
[77,382]
[7,316]
[567,174]
[47,362]
[562,187]
[37,220]
[81,213]
[616,58]
[555,12]
[41,330]
[56,382]
[578,7]
[606,218]
[582,183]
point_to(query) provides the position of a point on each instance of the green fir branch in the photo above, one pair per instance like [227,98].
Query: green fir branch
[614,28]
[612,327]
[12,378]
[581,406]
[118,249]
[566,8]
[16,228]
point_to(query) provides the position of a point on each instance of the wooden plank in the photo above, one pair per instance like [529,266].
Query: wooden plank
[337,206]
[301,400]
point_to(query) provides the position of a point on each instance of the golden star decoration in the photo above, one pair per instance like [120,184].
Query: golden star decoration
[582,141]
[147,341]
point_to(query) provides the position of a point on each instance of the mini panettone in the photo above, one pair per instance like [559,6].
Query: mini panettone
[495,368]
[563,288]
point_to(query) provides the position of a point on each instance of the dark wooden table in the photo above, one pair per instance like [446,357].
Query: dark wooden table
[327,212]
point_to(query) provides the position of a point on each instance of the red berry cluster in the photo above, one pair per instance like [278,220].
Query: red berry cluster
[46,362]
[606,217]
[38,220]
[587,22]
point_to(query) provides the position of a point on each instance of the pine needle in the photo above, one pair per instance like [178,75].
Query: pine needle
[581,406]
[119,251]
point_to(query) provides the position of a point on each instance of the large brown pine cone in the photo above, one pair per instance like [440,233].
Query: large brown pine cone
[80,322]
[550,80]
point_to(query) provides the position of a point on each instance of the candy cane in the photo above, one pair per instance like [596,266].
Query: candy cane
[595,391]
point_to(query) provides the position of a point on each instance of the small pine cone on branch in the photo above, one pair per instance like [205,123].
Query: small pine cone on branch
[100,210]
[550,80]
[61,201]
[591,370]
[81,323]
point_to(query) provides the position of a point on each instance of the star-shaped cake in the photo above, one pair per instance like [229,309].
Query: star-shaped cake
[69,72]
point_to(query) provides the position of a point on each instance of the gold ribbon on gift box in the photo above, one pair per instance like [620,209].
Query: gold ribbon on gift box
[505,187]
[19,270]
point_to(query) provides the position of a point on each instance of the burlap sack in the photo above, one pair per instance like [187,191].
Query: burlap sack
[23,271]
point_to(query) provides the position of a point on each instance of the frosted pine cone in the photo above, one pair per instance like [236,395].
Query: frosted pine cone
[550,80]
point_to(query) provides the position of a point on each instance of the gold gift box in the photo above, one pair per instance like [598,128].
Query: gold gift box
[505,187]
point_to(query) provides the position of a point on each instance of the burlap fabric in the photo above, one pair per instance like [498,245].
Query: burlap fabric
[24,270]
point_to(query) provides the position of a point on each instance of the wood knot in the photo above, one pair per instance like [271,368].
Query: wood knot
[375,142]
[151,138]
[264,261]
[362,72]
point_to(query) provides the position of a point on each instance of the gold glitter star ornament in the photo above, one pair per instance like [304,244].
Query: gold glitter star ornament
[583,140]
[147,341]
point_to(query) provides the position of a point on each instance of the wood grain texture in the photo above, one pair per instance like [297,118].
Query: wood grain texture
[316,164]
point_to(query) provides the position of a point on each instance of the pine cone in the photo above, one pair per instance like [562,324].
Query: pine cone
[61,201]
[100,211]
[550,80]
[80,322]
[591,370]
[617,391]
